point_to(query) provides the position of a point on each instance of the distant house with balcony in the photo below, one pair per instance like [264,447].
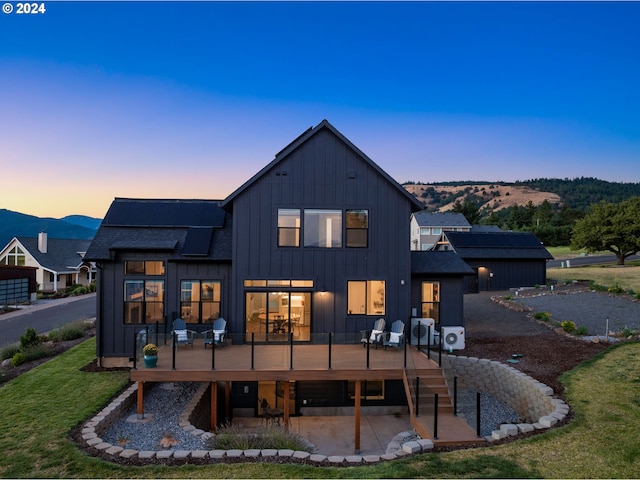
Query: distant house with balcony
[59,262]
[427,227]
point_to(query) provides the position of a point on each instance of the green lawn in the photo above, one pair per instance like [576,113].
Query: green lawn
[40,407]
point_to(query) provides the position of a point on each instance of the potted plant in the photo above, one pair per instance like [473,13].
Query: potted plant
[150,352]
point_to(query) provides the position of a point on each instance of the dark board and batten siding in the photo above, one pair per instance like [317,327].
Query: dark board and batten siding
[116,337]
[324,172]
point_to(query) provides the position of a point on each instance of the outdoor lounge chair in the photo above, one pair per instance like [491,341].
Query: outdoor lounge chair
[217,335]
[395,336]
[181,334]
[374,335]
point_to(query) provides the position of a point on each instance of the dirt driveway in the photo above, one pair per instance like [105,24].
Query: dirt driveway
[495,332]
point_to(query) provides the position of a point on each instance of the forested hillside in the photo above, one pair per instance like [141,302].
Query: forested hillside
[582,192]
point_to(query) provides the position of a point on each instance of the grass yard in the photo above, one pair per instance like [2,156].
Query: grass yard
[626,277]
[41,406]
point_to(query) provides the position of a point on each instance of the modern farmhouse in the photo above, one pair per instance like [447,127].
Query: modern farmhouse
[302,261]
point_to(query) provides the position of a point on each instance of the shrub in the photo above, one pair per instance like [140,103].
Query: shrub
[507,297]
[35,352]
[544,316]
[615,289]
[29,338]
[232,437]
[582,331]
[70,331]
[627,332]
[568,326]
[150,350]
[18,359]
[9,351]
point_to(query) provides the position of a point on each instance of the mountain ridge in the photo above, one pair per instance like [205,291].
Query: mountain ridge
[16,224]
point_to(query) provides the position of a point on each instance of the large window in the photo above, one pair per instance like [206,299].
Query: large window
[199,300]
[366,297]
[143,297]
[369,390]
[15,256]
[143,301]
[275,313]
[288,227]
[143,267]
[323,228]
[357,228]
[431,300]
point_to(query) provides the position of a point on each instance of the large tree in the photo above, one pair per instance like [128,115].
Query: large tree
[612,227]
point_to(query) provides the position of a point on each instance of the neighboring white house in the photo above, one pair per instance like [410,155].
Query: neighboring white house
[427,227]
[59,261]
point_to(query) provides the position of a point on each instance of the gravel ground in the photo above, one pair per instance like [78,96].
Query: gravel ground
[587,309]
[165,402]
[493,412]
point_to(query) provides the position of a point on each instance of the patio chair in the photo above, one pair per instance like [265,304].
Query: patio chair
[141,338]
[374,335]
[217,335]
[182,335]
[395,336]
[270,415]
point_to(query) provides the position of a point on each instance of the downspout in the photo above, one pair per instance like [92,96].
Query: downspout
[98,317]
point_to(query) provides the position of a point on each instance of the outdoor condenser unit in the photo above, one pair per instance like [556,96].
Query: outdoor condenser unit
[420,330]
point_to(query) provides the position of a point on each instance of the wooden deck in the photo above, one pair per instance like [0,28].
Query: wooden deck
[313,362]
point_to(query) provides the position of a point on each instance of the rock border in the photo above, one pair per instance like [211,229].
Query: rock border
[96,426]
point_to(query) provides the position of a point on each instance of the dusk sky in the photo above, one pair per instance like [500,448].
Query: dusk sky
[189,100]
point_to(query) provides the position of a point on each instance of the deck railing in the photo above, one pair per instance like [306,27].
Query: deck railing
[241,351]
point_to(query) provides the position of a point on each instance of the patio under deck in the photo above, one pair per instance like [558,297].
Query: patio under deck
[284,362]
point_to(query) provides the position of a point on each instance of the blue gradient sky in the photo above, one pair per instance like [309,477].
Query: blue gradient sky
[189,100]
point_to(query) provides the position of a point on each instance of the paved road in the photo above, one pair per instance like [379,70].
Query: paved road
[588,260]
[46,315]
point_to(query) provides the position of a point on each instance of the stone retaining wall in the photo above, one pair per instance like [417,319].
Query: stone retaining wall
[532,400]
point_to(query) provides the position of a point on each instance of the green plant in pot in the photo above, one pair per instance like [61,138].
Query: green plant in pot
[150,352]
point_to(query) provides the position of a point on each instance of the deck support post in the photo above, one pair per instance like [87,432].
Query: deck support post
[227,400]
[357,418]
[140,400]
[287,402]
[214,406]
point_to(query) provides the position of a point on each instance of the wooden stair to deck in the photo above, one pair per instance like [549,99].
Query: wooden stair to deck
[452,430]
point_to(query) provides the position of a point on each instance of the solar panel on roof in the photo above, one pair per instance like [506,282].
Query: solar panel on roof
[165,213]
[198,241]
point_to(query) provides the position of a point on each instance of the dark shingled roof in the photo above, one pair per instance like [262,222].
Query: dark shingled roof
[202,230]
[439,263]
[440,219]
[63,254]
[498,245]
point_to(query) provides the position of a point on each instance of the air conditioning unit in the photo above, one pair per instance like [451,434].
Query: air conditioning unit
[420,330]
[452,338]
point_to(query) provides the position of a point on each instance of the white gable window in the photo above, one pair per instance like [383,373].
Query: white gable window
[15,256]
[322,228]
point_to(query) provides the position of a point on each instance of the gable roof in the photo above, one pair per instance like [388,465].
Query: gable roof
[497,245]
[440,219]
[439,263]
[305,136]
[63,254]
[184,228]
